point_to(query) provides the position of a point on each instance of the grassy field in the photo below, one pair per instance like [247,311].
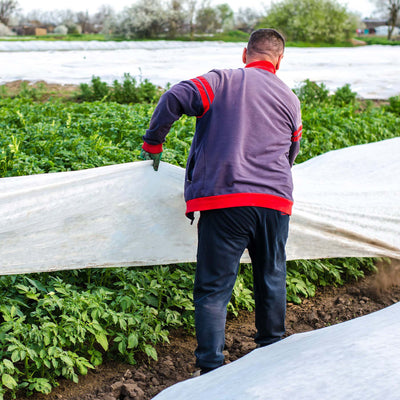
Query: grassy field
[230,36]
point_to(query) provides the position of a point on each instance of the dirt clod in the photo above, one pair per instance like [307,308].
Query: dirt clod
[132,391]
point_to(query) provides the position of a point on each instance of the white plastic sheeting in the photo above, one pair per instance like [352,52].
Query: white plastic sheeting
[346,204]
[354,360]
[372,71]
[110,216]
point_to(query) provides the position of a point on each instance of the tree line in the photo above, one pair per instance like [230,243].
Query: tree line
[143,19]
[299,20]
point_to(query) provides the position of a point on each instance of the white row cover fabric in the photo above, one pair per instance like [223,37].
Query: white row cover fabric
[74,62]
[354,360]
[346,204]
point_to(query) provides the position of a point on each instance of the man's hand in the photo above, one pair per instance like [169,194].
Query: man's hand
[156,157]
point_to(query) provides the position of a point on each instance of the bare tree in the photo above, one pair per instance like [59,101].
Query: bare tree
[207,19]
[45,17]
[176,18]
[226,16]
[67,17]
[82,19]
[394,8]
[247,19]
[191,12]
[390,9]
[7,8]
[210,19]
[104,19]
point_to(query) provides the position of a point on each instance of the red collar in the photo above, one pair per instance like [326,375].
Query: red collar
[265,65]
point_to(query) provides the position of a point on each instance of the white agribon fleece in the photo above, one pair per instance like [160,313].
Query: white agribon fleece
[346,204]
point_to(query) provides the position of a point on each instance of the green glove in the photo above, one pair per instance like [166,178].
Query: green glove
[156,157]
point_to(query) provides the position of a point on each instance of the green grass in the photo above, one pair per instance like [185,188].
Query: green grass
[229,36]
[379,40]
[53,37]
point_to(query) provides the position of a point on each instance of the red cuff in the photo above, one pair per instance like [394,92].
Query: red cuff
[153,149]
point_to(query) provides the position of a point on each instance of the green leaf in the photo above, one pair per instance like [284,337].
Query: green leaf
[96,357]
[8,364]
[67,360]
[151,352]
[9,381]
[122,324]
[81,368]
[122,347]
[133,340]
[15,356]
[101,338]
[42,385]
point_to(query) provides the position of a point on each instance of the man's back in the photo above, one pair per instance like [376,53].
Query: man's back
[242,142]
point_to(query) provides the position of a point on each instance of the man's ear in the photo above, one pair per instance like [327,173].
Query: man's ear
[278,62]
[244,56]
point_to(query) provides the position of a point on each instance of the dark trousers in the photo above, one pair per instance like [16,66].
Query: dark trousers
[223,235]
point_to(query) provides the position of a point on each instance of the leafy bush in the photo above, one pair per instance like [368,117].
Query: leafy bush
[394,105]
[61,30]
[311,20]
[310,93]
[97,91]
[5,30]
[129,92]
[303,276]
[344,96]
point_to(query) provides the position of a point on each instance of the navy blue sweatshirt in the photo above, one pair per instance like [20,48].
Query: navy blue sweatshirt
[247,137]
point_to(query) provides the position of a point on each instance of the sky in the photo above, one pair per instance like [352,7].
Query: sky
[364,7]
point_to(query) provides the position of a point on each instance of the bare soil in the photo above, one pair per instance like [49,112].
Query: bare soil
[44,90]
[117,381]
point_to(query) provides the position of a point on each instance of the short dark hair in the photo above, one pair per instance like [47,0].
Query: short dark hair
[266,41]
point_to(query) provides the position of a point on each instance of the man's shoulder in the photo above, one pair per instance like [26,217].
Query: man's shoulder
[216,72]
[218,77]
[287,90]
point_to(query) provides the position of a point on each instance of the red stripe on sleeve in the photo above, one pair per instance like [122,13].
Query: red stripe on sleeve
[203,94]
[206,93]
[296,136]
[208,88]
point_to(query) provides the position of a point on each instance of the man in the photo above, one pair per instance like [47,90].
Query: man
[238,175]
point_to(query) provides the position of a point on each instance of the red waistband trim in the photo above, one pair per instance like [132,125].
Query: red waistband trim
[240,200]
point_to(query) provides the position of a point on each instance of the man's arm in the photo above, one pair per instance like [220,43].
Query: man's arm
[182,98]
